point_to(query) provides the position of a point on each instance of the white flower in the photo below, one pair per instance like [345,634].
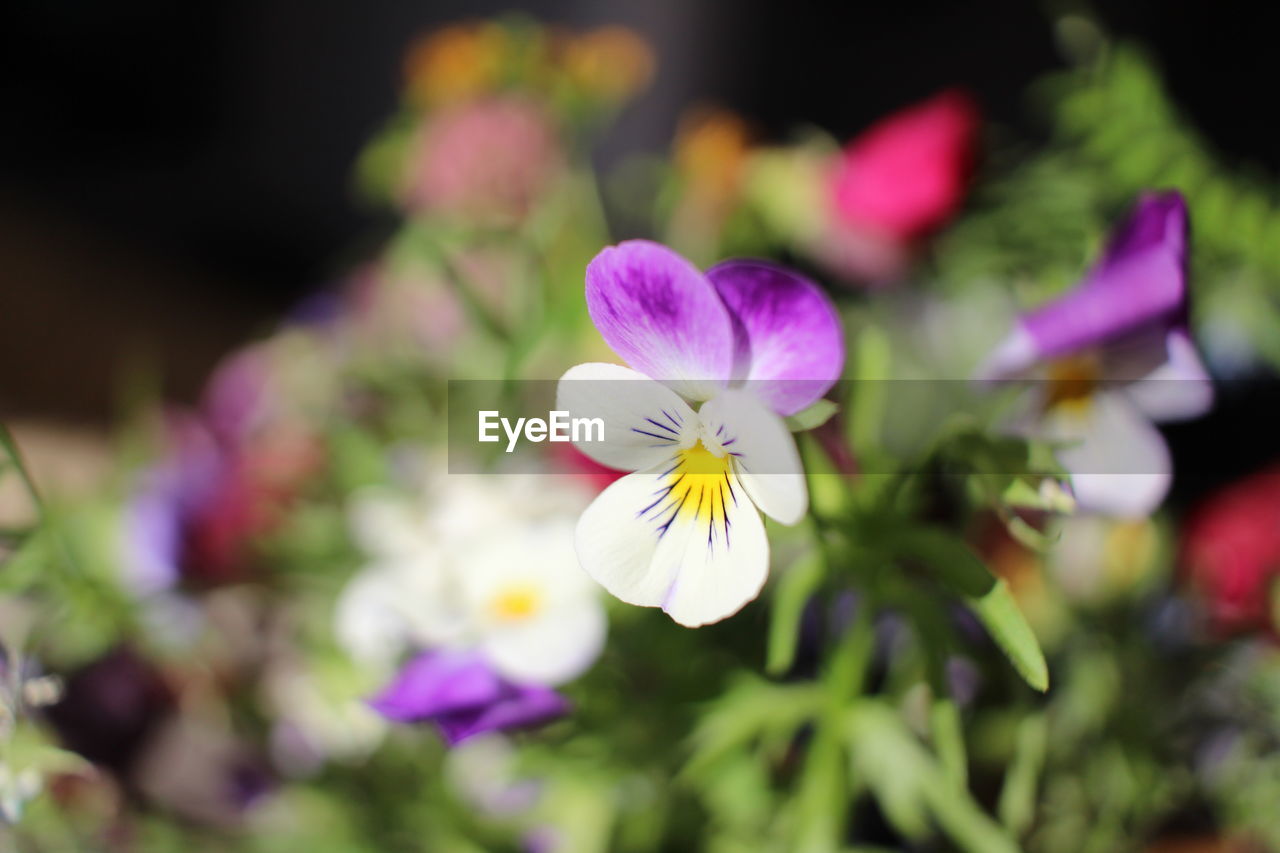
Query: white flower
[486,562]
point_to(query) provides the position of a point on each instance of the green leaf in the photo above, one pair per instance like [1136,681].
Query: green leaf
[751,710]
[952,561]
[1047,495]
[948,739]
[910,785]
[793,591]
[961,570]
[814,416]
[871,363]
[1004,621]
[1017,804]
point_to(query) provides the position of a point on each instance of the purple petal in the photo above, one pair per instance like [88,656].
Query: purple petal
[661,316]
[438,682]
[167,495]
[520,706]
[787,334]
[1139,283]
[152,542]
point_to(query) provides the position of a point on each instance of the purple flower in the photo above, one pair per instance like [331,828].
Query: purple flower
[463,695]
[166,499]
[753,340]
[1116,356]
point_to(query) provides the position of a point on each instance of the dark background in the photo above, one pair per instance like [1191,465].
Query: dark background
[174,175]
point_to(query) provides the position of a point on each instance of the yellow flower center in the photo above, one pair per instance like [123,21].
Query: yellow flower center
[1072,382]
[700,484]
[515,603]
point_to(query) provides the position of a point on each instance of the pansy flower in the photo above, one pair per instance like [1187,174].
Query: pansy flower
[1115,356]
[716,360]
[494,617]
[462,693]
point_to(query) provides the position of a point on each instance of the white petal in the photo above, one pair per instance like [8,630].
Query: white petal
[383,522]
[563,631]
[721,567]
[768,463]
[644,421]
[697,549]
[556,646]
[616,540]
[1012,357]
[1179,387]
[368,621]
[1120,465]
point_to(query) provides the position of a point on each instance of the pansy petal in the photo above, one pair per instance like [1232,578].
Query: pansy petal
[767,462]
[152,543]
[723,563]
[1140,281]
[1158,222]
[616,540]
[552,648]
[517,708]
[685,538]
[438,682]
[1179,387]
[1119,463]
[788,341]
[644,421]
[382,523]
[538,612]
[368,622]
[661,316]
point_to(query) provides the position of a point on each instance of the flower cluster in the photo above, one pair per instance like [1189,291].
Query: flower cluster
[946,593]
[480,585]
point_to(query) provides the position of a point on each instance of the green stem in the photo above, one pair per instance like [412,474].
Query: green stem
[15,456]
[825,787]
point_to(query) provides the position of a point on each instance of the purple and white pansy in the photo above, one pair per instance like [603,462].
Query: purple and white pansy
[1114,357]
[746,343]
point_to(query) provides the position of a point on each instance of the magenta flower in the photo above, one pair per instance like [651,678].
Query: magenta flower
[1117,356]
[463,695]
[907,174]
[755,342]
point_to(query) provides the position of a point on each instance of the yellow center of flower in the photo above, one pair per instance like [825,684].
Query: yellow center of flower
[1072,382]
[701,487]
[515,603]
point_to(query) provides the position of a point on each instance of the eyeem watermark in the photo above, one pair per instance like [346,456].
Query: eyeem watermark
[558,427]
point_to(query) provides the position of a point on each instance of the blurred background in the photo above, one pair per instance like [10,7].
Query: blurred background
[177,179]
[172,177]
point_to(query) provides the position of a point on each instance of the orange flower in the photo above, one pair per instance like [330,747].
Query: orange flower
[612,63]
[710,150]
[457,62]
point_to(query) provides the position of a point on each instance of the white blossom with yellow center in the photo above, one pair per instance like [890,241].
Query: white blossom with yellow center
[485,562]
